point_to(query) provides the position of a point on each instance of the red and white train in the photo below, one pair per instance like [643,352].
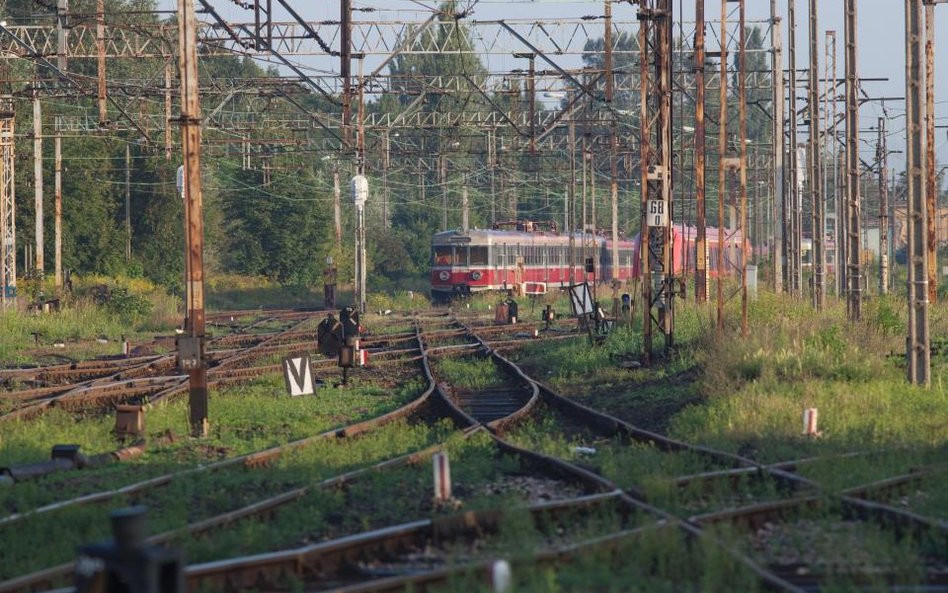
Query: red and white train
[534,257]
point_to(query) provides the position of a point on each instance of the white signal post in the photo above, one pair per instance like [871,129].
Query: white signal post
[360,193]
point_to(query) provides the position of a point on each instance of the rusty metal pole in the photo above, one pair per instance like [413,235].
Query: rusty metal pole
[100,61]
[815,145]
[931,184]
[883,160]
[918,353]
[854,274]
[722,170]
[779,252]
[191,350]
[742,127]
[701,241]
[794,264]
[645,158]
[665,145]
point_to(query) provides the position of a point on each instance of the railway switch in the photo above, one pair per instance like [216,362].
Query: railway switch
[126,563]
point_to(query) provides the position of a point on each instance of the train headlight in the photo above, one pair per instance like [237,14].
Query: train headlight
[475,275]
[444,276]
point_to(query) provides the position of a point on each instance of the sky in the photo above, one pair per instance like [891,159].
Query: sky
[880,35]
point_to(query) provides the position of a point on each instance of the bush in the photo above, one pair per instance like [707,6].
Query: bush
[129,307]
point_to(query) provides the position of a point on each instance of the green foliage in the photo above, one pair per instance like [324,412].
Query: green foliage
[128,307]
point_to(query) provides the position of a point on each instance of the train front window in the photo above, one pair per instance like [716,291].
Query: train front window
[443,256]
[478,256]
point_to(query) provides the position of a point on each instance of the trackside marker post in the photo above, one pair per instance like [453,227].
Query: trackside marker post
[363,358]
[809,422]
[501,576]
[442,477]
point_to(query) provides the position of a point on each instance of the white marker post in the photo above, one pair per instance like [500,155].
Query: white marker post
[363,358]
[501,577]
[809,422]
[442,477]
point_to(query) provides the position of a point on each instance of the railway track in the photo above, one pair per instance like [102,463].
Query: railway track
[386,559]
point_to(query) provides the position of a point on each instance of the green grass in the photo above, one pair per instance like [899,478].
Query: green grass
[243,419]
[207,494]
[661,561]
[469,372]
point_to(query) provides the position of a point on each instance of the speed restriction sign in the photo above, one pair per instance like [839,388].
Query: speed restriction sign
[656,213]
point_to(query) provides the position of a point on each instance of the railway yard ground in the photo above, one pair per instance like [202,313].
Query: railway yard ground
[573,467]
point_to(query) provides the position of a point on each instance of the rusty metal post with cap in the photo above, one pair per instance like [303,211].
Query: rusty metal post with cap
[191,347]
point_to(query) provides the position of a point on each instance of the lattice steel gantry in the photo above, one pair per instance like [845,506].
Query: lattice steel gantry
[655,69]
[7,207]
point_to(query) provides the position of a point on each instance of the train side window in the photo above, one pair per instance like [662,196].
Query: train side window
[478,256]
[443,256]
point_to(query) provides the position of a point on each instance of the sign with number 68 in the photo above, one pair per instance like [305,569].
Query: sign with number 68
[657,213]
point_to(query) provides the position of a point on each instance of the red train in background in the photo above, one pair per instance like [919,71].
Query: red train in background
[533,257]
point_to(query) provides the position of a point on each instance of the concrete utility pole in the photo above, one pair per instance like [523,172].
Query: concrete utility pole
[62,9]
[128,203]
[779,149]
[360,193]
[655,32]
[58,227]
[816,166]
[931,184]
[854,300]
[38,180]
[168,134]
[794,263]
[742,126]
[839,198]
[722,169]
[701,241]
[465,209]
[882,157]
[336,207]
[191,348]
[570,196]
[918,352]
